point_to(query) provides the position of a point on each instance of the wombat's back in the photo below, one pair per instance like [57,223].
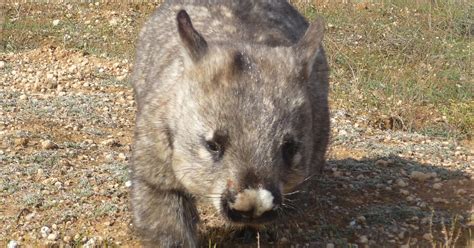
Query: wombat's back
[266,22]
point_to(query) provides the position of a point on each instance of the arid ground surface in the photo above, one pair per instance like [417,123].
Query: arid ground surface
[400,167]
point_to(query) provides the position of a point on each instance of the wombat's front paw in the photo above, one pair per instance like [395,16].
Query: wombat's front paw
[163,218]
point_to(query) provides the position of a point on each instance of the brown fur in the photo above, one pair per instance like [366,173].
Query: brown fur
[234,100]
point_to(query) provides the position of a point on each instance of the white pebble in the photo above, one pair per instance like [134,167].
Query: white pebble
[45,231]
[52,236]
[12,244]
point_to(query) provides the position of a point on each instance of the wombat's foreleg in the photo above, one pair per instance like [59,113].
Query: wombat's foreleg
[164,218]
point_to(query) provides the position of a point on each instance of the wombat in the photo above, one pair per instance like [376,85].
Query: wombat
[232,109]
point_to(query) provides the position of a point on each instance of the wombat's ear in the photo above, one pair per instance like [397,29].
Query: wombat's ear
[194,43]
[308,46]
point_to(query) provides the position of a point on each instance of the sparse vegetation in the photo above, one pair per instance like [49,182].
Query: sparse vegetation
[402,102]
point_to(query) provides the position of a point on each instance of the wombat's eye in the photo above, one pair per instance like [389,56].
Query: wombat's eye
[214,148]
[288,150]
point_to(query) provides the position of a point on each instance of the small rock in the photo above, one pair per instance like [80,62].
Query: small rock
[419,176]
[2,65]
[109,156]
[122,156]
[128,184]
[30,216]
[77,237]
[461,191]
[405,246]
[48,144]
[428,236]
[45,231]
[329,245]
[381,162]
[91,243]
[12,244]
[40,172]
[437,185]
[114,21]
[361,219]
[56,22]
[53,236]
[21,142]
[23,97]
[363,239]
[110,142]
[342,132]
[404,192]
[67,239]
[401,183]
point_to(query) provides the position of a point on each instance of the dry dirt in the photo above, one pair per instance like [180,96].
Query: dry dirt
[66,127]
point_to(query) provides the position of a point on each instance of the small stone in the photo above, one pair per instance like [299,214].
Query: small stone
[363,239]
[109,157]
[405,246]
[67,239]
[114,21]
[23,97]
[21,142]
[56,22]
[128,184]
[329,245]
[122,156]
[342,132]
[361,219]
[91,243]
[110,142]
[48,144]
[45,231]
[381,162]
[461,191]
[58,185]
[401,183]
[428,236]
[12,244]
[404,192]
[419,176]
[30,216]
[40,172]
[52,236]
[2,65]
[437,185]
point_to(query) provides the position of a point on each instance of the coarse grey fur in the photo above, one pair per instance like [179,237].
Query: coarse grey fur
[252,72]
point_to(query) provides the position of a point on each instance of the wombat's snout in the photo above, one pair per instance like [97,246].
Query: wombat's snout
[251,205]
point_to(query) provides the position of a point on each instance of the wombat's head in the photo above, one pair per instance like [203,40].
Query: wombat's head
[242,122]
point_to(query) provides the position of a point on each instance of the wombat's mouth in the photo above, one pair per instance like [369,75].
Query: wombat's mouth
[248,217]
[251,205]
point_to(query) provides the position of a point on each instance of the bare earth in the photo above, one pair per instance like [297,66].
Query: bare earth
[66,128]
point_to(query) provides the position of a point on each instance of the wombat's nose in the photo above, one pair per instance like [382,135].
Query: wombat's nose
[253,204]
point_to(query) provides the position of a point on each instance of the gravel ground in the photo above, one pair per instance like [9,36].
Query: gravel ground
[66,126]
